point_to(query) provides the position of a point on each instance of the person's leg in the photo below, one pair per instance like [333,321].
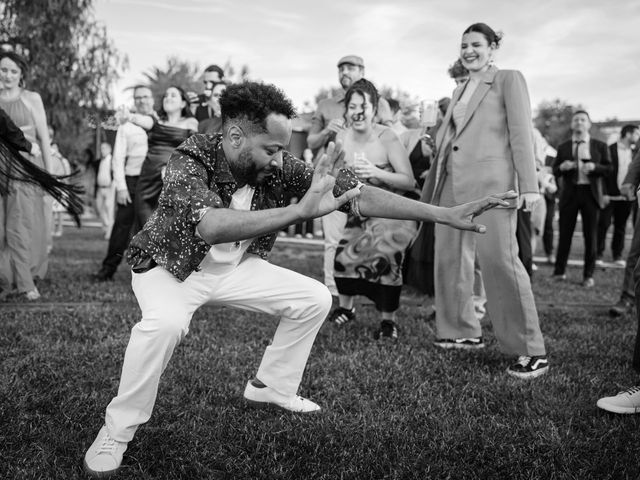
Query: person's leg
[621,213]
[101,207]
[19,215]
[547,236]
[121,231]
[567,225]
[636,350]
[510,301]
[167,306]
[454,278]
[604,221]
[589,211]
[332,226]
[479,293]
[302,304]
[455,253]
[109,207]
[523,236]
[628,284]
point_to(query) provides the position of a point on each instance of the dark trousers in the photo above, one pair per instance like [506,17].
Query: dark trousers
[581,201]
[523,236]
[636,277]
[630,271]
[124,227]
[618,212]
[547,235]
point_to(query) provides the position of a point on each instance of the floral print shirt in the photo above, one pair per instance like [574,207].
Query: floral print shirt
[197,177]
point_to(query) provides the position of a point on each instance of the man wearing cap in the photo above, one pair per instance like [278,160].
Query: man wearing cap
[327,121]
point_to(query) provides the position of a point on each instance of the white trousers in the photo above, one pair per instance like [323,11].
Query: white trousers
[167,307]
[333,229]
[105,206]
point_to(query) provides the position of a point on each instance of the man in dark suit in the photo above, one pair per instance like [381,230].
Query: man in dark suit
[582,162]
[618,208]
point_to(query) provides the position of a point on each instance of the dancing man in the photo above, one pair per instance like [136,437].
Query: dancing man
[218,216]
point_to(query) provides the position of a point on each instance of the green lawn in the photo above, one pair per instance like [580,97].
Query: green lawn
[396,411]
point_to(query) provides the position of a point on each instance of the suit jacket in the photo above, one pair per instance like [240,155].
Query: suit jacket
[611,182]
[599,155]
[492,150]
[633,174]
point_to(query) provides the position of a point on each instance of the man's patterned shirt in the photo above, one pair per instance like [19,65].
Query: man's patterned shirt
[198,176]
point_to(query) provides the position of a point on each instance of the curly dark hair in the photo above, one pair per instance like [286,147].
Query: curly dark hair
[457,70]
[250,103]
[361,87]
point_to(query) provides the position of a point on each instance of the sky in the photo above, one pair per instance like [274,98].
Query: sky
[584,52]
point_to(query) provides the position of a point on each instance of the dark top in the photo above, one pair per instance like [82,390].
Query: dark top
[12,134]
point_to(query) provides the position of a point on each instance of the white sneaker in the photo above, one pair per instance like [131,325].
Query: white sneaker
[624,402]
[32,294]
[268,397]
[104,456]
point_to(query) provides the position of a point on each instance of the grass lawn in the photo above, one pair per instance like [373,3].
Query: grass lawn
[392,411]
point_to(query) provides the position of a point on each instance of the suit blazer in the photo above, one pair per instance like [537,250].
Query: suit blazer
[599,155]
[633,174]
[611,182]
[492,149]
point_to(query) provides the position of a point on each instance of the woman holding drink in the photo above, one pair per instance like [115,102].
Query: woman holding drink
[485,144]
[369,256]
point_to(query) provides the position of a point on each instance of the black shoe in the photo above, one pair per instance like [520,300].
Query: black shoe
[529,367]
[341,316]
[103,275]
[388,329]
[623,306]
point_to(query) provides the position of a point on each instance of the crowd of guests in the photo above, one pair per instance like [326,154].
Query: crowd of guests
[396,220]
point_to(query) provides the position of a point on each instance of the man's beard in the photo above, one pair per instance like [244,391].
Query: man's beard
[244,170]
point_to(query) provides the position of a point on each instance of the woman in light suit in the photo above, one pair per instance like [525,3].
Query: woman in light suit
[486,145]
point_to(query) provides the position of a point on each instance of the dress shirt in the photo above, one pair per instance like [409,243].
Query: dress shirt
[583,153]
[624,160]
[129,151]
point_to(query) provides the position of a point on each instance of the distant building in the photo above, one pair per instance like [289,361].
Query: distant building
[611,128]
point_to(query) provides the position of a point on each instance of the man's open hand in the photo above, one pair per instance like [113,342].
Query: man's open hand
[462,216]
[319,199]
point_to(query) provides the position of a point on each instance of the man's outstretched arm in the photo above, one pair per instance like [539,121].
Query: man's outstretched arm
[375,202]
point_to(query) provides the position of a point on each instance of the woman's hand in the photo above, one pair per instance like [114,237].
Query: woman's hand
[528,200]
[365,169]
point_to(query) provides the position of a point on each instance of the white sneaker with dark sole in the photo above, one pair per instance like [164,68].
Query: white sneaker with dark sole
[266,397]
[104,456]
[624,402]
[460,343]
[529,366]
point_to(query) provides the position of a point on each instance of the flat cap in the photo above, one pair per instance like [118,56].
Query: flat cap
[352,59]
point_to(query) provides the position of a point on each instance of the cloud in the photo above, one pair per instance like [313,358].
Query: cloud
[578,50]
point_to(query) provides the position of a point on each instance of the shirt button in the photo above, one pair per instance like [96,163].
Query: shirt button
[455,149]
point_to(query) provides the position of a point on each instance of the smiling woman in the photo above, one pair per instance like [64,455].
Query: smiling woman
[171,126]
[485,144]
